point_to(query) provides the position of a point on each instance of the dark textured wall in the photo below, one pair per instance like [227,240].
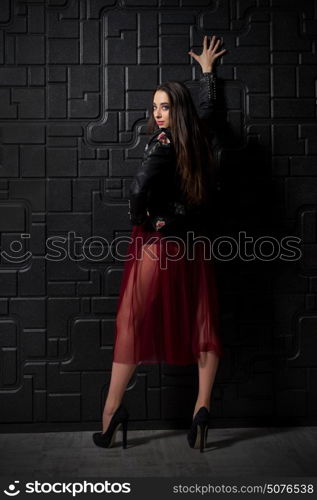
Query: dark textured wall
[75,83]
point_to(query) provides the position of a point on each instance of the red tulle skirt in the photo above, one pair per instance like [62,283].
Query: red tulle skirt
[168,308]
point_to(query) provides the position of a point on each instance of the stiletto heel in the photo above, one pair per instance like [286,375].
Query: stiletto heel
[203,436]
[197,434]
[108,438]
[124,433]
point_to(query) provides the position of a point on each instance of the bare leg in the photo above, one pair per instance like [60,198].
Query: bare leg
[120,376]
[127,319]
[207,366]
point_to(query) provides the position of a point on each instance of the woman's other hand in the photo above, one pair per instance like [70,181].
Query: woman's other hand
[209,54]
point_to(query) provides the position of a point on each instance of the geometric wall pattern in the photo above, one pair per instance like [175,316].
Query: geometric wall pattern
[75,82]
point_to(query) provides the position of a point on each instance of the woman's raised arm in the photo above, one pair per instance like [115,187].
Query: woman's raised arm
[207,81]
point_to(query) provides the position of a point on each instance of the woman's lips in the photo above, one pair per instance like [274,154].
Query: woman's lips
[160,123]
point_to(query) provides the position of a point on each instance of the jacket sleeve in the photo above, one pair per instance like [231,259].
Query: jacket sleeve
[207,105]
[156,157]
[207,97]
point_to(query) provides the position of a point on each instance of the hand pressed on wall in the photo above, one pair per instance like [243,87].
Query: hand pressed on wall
[209,54]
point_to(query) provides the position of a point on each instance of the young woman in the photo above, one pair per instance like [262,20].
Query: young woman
[168,307]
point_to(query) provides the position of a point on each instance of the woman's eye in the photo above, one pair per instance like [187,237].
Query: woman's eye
[164,107]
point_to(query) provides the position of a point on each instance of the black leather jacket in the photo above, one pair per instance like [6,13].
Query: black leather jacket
[155,189]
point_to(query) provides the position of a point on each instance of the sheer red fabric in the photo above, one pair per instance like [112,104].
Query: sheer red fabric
[168,309]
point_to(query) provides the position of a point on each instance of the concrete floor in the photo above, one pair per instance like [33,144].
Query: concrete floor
[287,451]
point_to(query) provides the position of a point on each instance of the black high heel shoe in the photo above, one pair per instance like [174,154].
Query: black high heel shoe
[197,434]
[108,438]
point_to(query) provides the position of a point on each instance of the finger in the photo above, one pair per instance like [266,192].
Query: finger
[193,54]
[216,46]
[220,53]
[212,41]
[205,43]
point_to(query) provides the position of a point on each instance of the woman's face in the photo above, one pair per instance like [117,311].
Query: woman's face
[161,108]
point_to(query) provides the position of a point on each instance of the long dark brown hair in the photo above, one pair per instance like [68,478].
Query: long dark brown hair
[193,151]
